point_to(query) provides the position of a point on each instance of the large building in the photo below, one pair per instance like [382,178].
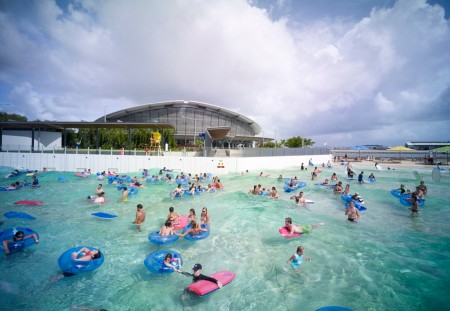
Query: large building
[426,145]
[193,120]
[190,120]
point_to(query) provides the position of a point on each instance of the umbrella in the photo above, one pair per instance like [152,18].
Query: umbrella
[359,148]
[399,149]
[444,149]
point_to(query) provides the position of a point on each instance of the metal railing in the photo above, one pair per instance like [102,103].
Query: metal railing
[186,152]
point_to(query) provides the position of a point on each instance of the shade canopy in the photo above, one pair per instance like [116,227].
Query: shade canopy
[359,148]
[400,148]
[442,149]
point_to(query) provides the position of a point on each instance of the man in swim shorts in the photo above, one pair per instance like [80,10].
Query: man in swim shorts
[352,212]
[140,216]
[297,228]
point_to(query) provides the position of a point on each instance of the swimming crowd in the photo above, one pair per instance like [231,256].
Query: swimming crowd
[196,226]
[173,222]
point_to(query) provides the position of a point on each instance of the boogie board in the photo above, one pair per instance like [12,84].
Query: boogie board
[285,233]
[418,175]
[103,215]
[309,202]
[19,215]
[436,174]
[181,222]
[25,202]
[203,287]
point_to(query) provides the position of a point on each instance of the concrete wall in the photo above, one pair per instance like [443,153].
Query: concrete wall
[21,140]
[132,163]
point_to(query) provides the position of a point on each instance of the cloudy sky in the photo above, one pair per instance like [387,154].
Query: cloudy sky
[341,72]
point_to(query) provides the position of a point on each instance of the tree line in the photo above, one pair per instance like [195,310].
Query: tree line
[117,138]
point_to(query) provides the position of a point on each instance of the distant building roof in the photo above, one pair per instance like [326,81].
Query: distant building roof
[427,145]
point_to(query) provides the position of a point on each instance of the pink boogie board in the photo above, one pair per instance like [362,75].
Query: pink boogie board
[203,287]
[284,231]
[25,202]
[183,220]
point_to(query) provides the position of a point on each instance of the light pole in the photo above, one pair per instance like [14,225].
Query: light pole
[195,125]
[104,119]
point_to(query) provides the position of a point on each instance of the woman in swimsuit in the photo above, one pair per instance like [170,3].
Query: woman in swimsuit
[204,217]
[167,229]
[192,216]
[195,229]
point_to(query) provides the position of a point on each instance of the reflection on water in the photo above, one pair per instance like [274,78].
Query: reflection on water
[384,260]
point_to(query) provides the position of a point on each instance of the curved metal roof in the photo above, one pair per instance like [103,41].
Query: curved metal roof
[184,103]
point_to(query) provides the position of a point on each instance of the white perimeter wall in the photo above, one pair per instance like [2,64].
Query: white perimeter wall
[21,140]
[132,163]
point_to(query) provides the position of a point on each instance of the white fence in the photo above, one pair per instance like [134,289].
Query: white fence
[133,163]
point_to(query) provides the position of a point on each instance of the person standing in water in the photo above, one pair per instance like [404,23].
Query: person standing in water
[296,259]
[140,216]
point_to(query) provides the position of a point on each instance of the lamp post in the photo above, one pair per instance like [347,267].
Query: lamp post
[195,125]
[104,119]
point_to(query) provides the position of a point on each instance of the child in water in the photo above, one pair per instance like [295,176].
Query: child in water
[173,263]
[297,258]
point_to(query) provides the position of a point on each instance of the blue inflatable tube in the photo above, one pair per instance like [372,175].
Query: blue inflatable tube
[346,197]
[153,179]
[133,191]
[396,193]
[195,237]
[406,201]
[16,246]
[158,239]
[182,182]
[4,189]
[357,205]
[289,189]
[72,266]
[155,261]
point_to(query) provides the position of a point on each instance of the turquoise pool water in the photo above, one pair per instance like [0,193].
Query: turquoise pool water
[387,261]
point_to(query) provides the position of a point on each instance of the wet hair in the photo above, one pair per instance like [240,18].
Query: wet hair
[289,220]
[171,209]
[20,232]
[168,223]
[168,256]
[97,255]
[300,248]
[192,210]
[139,206]
[124,188]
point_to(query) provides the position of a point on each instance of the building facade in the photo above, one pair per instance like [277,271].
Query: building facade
[192,120]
